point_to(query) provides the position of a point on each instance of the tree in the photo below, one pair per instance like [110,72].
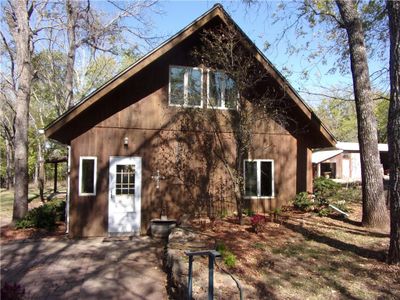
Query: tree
[18,14]
[340,117]
[346,27]
[393,8]
[247,90]
[374,208]
[339,114]
[86,28]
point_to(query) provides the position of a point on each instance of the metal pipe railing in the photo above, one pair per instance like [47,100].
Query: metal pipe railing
[212,254]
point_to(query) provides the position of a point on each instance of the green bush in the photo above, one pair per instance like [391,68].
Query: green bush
[228,257]
[44,216]
[324,188]
[302,201]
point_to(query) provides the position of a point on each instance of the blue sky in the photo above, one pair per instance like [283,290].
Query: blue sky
[257,23]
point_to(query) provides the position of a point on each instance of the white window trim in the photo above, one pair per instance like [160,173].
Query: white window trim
[94,175]
[258,161]
[222,107]
[185,88]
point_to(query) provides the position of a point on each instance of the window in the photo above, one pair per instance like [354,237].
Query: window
[222,91]
[125,183]
[185,86]
[259,178]
[87,175]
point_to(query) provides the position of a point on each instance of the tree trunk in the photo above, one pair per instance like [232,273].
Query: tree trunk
[9,177]
[69,77]
[22,37]
[393,8]
[40,171]
[374,208]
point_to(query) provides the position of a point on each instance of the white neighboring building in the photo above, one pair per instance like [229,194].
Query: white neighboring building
[343,162]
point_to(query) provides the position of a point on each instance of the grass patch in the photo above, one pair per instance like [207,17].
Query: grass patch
[259,245]
[7,199]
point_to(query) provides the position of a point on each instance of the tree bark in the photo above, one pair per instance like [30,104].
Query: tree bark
[71,31]
[41,171]
[9,180]
[374,208]
[20,30]
[393,8]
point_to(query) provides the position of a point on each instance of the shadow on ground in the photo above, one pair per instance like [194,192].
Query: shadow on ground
[86,268]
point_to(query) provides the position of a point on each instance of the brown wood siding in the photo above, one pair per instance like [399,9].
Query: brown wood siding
[203,177]
[139,110]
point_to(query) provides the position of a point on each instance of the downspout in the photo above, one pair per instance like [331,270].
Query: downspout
[68,187]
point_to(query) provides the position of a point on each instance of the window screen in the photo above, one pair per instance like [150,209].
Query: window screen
[259,179]
[251,178]
[176,77]
[87,180]
[194,87]
[215,89]
[222,90]
[266,178]
[185,86]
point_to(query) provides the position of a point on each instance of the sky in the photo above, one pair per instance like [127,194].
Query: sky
[257,23]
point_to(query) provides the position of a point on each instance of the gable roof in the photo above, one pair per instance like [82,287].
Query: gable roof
[54,129]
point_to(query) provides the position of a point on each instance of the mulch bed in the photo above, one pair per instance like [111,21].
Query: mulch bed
[9,234]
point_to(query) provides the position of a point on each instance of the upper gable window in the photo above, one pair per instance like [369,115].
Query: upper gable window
[222,91]
[185,86]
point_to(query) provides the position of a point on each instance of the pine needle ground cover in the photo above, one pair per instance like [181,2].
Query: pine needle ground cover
[305,256]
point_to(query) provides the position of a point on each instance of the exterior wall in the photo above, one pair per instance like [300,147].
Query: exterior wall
[201,178]
[196,181]
[338,160]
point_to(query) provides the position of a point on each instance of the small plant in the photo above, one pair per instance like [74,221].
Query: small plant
[303,201]
[12,292]
[248,212]
[221,248]
[324,212]
[223,214]
[229,259]
[256,222]
[277,211]
[227,256]
[44,216]
[259,245]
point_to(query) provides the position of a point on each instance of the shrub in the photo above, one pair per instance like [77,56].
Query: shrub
[257,219]
[303,201]
[256,222]
[324,188]
[227,256]
[44,216]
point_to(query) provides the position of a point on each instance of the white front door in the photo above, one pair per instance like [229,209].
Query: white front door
[125,184]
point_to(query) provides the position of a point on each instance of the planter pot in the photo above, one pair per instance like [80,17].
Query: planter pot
[162,228]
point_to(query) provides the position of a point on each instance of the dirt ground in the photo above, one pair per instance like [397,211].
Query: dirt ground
[304,256]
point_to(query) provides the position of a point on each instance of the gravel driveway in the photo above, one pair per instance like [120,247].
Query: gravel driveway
[86,269]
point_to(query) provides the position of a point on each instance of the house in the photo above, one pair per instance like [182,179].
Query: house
[132,157]
[343,162]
